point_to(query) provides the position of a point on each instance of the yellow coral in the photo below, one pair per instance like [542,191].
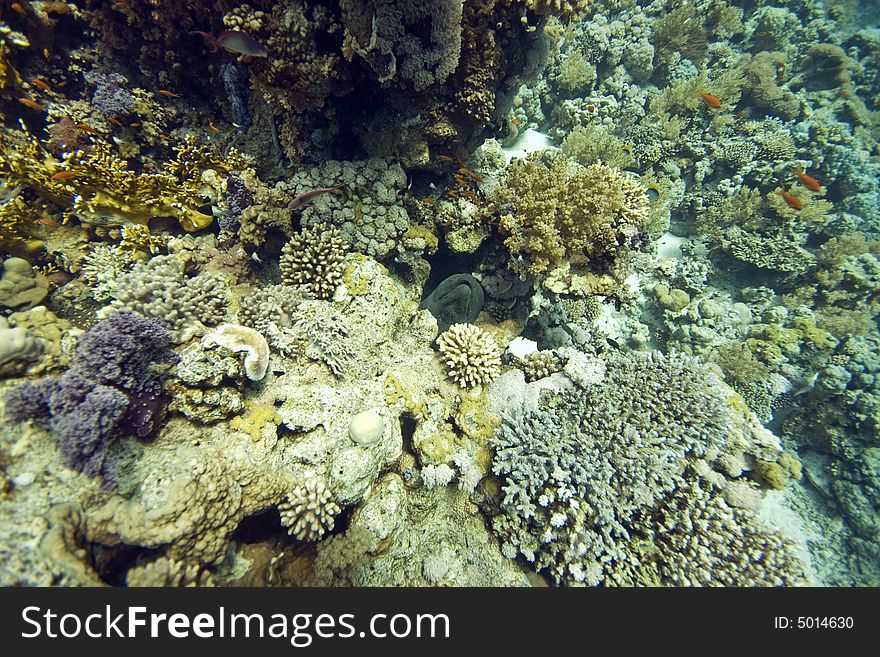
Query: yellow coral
[99,188]
[565,220]
[252,423]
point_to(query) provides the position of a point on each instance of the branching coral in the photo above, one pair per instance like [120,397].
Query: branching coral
[313,259]
[417,41]
[111,390]
[564,214]
[160,288]
[309,510]
[583,469]
[471,356]
[100,188]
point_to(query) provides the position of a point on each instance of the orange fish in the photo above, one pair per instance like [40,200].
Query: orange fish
[474,177]
[47,221]
[27,102]
[136,124]
[46,53]
[446,158]
[171,94]
[113,121]
[710,100]
[515,121]
[809,182]
[40,84]
[792,200]
[162,135]
[213,127]
[87,128]
[63,175]
[17,7]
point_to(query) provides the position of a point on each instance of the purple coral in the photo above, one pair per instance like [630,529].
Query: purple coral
[238,199]
[110,390]
[111,95]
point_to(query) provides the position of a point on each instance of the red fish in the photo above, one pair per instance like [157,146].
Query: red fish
[170,94]
[62,175]
[710,100]
[235,41]
[809,182]
[40,84]
[792,200]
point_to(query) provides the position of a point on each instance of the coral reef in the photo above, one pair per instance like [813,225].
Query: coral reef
[500,292]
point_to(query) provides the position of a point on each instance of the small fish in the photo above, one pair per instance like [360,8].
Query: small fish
[162,135]
[170,94]
[46,53]
[710,100]
[85,127]
[792,200]
[41,84]
[472,195]
[47,221]
[213,127]
[62,175]
[809,182]
[235,41]
[16,6]
[474,177]
[306,200]
[515,121]
[446,158]
[28,102]
[115,122]
[136,124]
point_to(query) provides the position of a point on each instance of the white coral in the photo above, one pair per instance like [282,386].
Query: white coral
[472,357]
[242,338]
[309,510]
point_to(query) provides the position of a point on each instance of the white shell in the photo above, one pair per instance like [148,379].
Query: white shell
[366,428]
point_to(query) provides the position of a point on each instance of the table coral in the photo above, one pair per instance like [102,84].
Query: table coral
[581,467]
